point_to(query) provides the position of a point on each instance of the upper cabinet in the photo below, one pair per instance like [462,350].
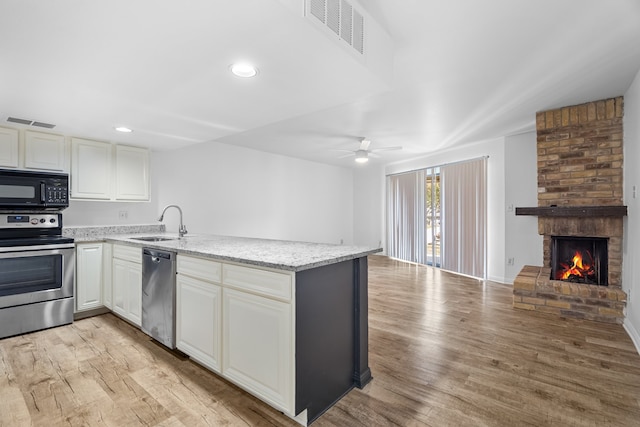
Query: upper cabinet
[103,171]
[8,148]
[37,150]
[90,169]
[132,173]
[98,170]
[44,151]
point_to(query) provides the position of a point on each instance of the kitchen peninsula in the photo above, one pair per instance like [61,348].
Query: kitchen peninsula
[286,321]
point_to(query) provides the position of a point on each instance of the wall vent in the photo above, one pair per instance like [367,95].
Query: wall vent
[30,122]
[341,18]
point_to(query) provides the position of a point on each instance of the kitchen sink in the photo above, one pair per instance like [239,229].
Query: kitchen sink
[153,238]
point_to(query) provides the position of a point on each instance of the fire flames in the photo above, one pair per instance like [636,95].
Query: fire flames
[578,269]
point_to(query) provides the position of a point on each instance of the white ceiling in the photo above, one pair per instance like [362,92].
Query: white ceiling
[462,71]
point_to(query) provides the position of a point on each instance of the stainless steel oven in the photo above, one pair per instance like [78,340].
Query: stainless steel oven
[36,273]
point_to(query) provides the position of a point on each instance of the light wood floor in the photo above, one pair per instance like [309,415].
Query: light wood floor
[444,350]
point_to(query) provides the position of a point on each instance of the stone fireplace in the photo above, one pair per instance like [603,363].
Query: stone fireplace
[580,214]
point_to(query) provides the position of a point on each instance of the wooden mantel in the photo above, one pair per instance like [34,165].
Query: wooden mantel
[574,211]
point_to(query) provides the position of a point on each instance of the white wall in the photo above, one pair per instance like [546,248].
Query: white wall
[229,190]
[631,240]
[495,149]
[522,241]
[368,208]
[81,212]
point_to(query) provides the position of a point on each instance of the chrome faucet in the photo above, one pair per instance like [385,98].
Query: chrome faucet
[182,230]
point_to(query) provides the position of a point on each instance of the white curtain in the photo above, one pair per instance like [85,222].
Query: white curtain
[406,216]
[464,217]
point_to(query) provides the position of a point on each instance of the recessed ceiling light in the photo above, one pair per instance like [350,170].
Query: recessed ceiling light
[123,129]
[243,69]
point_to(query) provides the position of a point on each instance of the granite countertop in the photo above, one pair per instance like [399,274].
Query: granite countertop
[278,254]
[98,233]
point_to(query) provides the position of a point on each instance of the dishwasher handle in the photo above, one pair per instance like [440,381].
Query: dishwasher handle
[156,255]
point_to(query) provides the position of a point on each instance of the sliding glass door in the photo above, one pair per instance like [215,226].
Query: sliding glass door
[432,217]
[437,216]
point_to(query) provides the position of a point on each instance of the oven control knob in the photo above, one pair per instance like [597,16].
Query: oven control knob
[42,220]
[52,220]
[34,221]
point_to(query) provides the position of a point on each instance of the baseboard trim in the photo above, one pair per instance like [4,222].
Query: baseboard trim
[633,333]
[502,280]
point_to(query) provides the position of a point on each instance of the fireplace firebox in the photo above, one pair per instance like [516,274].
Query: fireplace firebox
[579,259]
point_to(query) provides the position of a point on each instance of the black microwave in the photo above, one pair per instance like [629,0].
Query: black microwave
[21,189]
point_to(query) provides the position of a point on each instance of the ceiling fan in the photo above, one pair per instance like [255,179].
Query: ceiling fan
[363,152]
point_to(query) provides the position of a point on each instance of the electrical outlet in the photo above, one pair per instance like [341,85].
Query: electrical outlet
[123,214]
[510,261]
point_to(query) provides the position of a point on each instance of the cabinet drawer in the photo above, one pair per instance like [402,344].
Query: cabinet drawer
[129,253]
[263,282]
[199,268]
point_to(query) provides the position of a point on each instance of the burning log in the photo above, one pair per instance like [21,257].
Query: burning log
[577,270]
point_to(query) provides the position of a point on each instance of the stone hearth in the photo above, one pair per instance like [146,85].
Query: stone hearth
[534,290]
[579,195]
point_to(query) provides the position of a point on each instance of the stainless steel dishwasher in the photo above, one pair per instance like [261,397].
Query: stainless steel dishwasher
[159,295]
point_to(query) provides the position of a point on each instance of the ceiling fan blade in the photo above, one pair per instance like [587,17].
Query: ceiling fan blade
[351,153]
[364,145]
[387,149]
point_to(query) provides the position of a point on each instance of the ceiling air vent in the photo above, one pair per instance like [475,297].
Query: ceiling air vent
[30,122]
[346,23]
[20,121]
[341,18]
[43,125]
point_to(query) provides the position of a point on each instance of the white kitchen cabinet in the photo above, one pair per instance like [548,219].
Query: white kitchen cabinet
[199,310]
[90,169]
[257,346]
[127,283]
[44,151]
[101,172]
[255,280]
[198,320]
[132,173]
[89,276]
[238,321]
[107,289]
[9,148]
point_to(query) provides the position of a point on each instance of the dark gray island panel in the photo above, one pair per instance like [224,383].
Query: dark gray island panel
[331,334]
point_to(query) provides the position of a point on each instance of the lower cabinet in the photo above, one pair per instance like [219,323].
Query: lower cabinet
[107,289]
[238,321]
[89,276]
[198,317]
[127,283]
[257,346]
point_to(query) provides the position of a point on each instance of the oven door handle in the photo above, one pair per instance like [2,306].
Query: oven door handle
[36,247]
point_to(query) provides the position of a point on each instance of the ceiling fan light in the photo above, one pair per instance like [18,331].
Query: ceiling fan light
[362,156]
